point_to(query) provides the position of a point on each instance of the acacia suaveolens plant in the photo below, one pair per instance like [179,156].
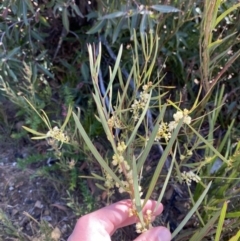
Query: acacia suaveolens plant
[127,114]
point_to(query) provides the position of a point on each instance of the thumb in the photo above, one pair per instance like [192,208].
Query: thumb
[155,234]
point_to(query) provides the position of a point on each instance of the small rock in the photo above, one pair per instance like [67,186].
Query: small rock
[11,188]
[38,204]
[56,234]
[47,218]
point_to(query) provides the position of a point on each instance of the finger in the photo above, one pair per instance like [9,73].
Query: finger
[117,215]
[105,221]
[155,234]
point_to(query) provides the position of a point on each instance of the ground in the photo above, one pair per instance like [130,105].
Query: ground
[36,207]
[27,200]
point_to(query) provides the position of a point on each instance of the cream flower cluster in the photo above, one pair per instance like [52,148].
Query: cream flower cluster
[165,129]
[54,136]
[57,134]
[163,132]
[140,104]
[114,122]
[127,186]
[147,218]
[118,159]
[178,116]
[190,176]
[123,167]
[109,183]
[141,228]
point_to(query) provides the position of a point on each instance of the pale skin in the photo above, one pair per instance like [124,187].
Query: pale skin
[101,224]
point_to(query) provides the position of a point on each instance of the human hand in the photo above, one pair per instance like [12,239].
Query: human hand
[101,224]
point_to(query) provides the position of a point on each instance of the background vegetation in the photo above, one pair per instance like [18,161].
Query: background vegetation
[187,50]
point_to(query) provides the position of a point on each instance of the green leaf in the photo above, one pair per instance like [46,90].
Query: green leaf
[101,187]
[236,237]
[12,74]
[98,27]
[224,14]
[30,5]
[24,13]
[212,46]
[151,140]
[13,52]
[41,56]
[233,215]
[67,118]
[209,145]
[118,29]
[77,10]
[164,9]
[37,36]
[45,71]
[65,19]
[34,132]
[50,3]
[136,190]
[94,151]
[44,21]
[167,179]
[85,71]
[116,67]
[44,118]
[113,15]
[97,176]
[38,137]
[199,235]
[192,211]
[221,221]
[144,23]
[162,160]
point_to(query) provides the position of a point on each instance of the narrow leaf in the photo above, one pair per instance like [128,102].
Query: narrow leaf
[199,235]
[236,237]
[65,19]
[13,52]
[94,151]
[221,221]
[45,71]
[98,27]
[162,160]
[136,190]
[144,23]
[30,5]
[167,179]
[164,9]
[24,13]
[151,140]
[34,132]
[113,15]
[209,145]
[116,67]
[118,29]
[191,212]
[67,117]
[224,14]
[77,10]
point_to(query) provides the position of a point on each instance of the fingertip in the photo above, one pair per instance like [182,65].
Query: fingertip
[152,205]
[155,234]
[164,234]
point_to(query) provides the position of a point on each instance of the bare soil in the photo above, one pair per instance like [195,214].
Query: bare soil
[27,201]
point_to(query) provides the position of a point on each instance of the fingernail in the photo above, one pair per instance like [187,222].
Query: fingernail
[164,235]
